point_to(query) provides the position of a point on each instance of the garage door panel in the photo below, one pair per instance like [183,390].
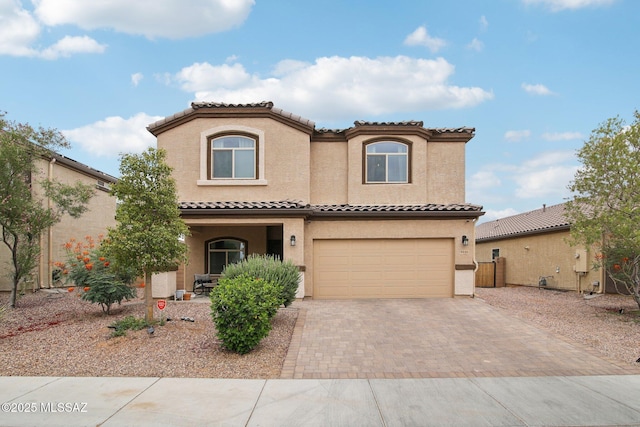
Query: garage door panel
[383,268]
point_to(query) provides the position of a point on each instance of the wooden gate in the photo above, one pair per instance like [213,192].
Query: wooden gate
[486,275]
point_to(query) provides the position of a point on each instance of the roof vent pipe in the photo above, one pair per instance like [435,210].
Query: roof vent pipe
[544,207]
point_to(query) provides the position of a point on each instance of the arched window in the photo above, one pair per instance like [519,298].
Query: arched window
[233,157]
[387,162]
[224,251]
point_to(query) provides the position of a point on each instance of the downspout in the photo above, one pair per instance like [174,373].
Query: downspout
[475,261]
[50,231]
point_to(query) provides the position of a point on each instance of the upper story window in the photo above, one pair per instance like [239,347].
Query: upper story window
[387,162]
[233,157]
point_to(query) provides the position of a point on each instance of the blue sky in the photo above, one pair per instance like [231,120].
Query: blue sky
[534,77]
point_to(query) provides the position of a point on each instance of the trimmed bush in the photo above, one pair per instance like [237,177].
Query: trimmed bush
[242,308]
[283,274]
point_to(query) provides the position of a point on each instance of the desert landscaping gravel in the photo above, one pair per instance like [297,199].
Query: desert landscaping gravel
[58,334]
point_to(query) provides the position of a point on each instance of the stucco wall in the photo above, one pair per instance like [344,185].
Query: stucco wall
[329,173]
[286,161]
[446,171]
[529,257]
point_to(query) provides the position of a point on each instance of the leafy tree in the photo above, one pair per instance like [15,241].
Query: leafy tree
[605,209]
[147,235]
[24,215]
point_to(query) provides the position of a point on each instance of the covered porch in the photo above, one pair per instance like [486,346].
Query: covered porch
[216,242]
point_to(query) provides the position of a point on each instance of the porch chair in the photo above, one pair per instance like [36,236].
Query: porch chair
[203,283]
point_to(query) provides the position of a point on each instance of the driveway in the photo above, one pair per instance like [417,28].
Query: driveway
[429,338]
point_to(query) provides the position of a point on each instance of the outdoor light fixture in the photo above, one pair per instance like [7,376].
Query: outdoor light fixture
[293,240]
[465,241]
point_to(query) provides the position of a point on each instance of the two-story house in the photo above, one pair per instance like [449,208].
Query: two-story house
[99,216]
[373,211]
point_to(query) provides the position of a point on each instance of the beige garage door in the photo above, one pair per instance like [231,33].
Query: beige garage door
[383,268]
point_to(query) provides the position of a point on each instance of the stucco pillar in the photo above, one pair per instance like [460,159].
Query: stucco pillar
[293,229]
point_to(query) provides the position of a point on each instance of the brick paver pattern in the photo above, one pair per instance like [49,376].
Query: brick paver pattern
[430,338]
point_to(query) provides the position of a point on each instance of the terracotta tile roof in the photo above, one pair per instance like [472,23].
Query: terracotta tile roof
[285,204]
[415,123]
[411,123]
[330,210]
[251,107]
[268,105]
[548,218]
[398,208]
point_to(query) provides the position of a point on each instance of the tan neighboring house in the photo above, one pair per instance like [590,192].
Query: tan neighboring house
[101,214]
[534,247]
[373,211]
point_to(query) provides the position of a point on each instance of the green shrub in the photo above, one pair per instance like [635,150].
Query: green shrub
[242,308]
[269,268]
[121,327]
[105,288]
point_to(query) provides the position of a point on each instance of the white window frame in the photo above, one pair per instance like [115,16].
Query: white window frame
[205,153]
[386,167]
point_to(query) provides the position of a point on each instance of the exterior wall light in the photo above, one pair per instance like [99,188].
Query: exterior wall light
[465,241]
[293,240]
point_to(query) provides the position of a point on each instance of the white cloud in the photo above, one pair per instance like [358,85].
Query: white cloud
[483,179]
[537,89]
[114,135]
[335,87]
[559,5]
[546,175]
[562,136]
[172,19]
[516,135]
[476,45]
[68,46]
[484,24]
[18,29]
[420,37]
[136,78]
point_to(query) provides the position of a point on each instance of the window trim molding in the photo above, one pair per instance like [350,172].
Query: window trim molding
[407,143]
[208,135]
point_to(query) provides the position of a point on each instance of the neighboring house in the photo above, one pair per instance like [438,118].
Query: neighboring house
[100,215]
[534,246]
[373,211]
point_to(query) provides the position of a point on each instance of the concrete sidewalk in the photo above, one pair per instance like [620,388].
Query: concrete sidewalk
[506,401]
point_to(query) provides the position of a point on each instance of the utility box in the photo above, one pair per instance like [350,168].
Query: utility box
[582,263]
[163,285]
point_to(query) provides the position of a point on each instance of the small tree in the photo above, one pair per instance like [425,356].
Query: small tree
[148,231]
[605,209]
[23,214]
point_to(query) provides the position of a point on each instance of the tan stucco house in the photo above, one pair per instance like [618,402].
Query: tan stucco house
[373,211]
[100,215]
[534,245]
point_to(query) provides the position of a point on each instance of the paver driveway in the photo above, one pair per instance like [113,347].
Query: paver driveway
[423,338]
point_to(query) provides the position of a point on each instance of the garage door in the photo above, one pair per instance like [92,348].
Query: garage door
[383,268]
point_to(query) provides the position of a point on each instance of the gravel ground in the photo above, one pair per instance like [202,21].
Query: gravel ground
[58,334]
[608,323]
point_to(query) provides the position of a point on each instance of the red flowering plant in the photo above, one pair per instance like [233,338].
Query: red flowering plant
[623,269]
[94,276]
